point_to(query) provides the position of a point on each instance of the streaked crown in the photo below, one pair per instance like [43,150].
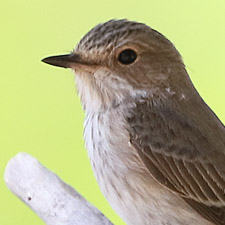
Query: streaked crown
[106,35]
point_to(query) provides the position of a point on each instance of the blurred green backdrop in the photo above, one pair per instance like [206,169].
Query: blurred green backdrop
[40,112]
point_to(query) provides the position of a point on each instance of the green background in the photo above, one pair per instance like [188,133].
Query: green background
[40,112]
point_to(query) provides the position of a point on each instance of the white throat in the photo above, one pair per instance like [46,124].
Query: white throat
[102,90]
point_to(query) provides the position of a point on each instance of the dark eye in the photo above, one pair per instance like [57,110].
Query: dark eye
[127,56]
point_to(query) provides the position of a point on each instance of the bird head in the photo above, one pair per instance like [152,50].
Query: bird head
[120,61]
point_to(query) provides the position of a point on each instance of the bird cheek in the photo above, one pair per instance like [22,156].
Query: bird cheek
[80,68]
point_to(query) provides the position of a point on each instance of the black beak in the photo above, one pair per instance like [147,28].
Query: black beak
[65,61]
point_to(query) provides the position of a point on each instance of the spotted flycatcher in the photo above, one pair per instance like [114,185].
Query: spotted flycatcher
[156,148]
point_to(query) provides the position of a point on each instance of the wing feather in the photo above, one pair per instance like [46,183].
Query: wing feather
[179,153]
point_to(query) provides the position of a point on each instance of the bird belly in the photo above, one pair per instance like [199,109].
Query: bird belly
[125,182]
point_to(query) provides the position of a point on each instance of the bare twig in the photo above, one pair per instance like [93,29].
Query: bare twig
[55,202]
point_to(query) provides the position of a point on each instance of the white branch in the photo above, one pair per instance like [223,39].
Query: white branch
[55,202]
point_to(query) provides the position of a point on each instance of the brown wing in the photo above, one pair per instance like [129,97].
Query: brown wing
[183,154]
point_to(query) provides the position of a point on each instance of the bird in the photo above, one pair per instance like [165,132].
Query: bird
[156,148]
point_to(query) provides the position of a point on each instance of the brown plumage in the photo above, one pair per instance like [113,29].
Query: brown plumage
[157,150]
[183,154]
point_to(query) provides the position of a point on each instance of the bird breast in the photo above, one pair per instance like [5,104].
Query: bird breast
[124,180]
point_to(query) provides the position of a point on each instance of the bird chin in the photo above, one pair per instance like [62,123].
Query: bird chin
[101,90]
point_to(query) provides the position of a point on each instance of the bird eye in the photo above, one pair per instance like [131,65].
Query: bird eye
[127,56]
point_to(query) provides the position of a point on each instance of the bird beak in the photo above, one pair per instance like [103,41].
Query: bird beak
[66,61]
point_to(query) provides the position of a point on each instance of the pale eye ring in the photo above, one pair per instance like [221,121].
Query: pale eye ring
[127,56]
